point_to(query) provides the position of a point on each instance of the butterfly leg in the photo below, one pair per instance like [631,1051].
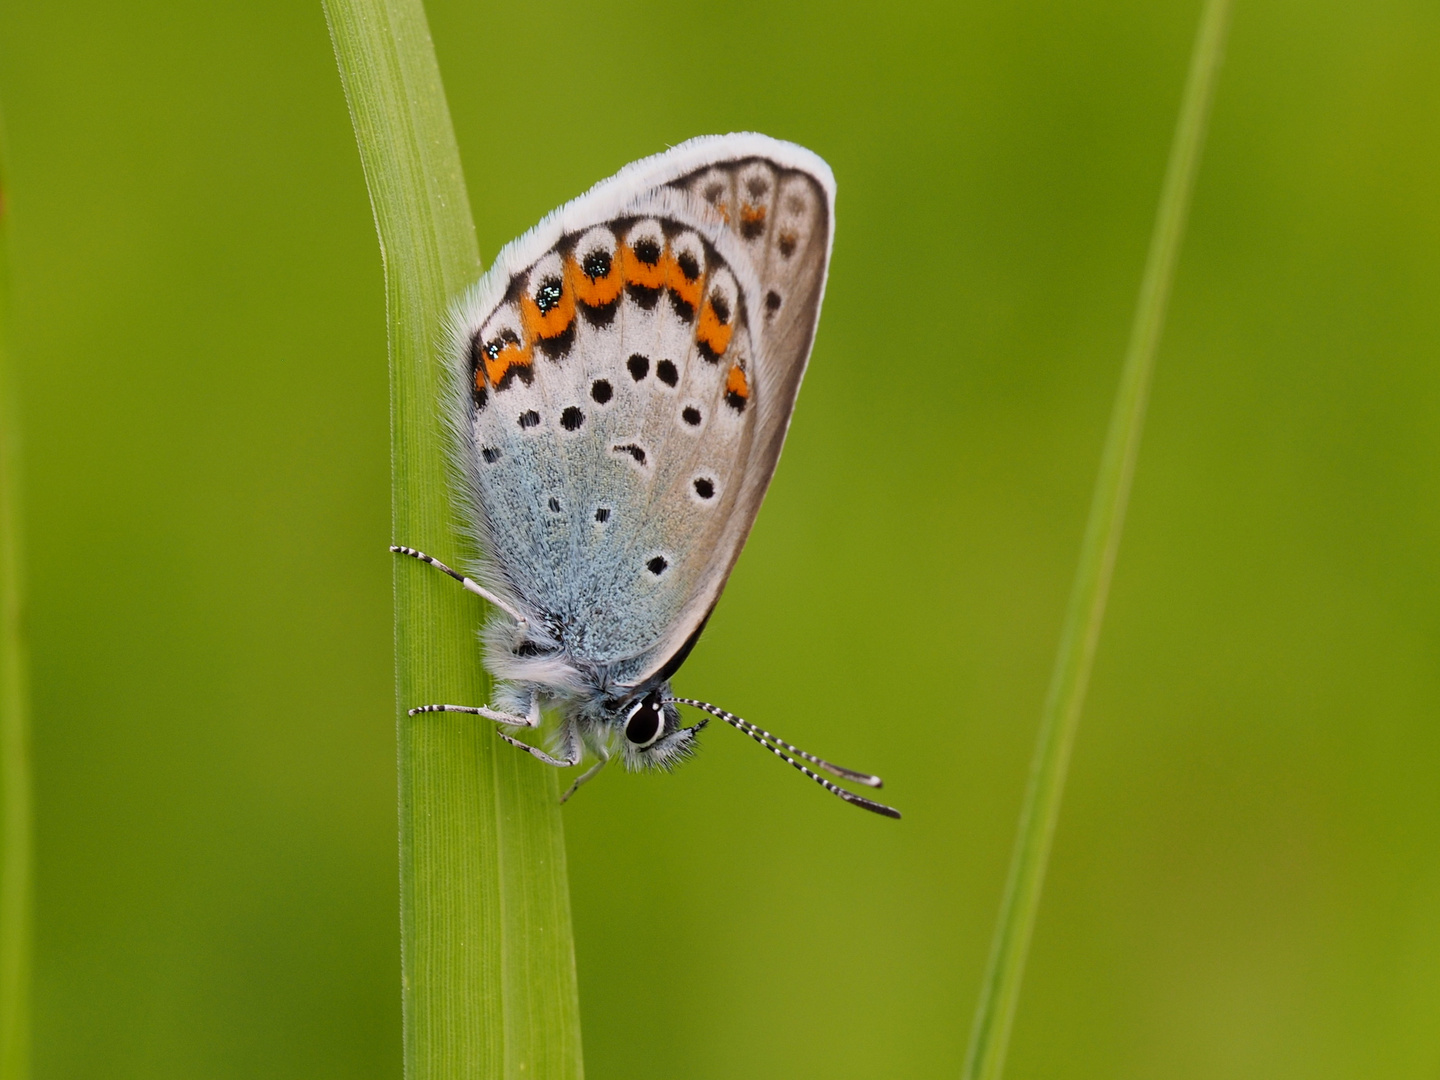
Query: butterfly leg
[530,720]
[569,741]
[586,775]
[473,586]
[535,751]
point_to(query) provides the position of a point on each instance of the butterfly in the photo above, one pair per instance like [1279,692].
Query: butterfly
[623,378]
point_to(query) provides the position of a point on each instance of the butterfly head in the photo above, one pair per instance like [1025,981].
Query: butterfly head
[652,737]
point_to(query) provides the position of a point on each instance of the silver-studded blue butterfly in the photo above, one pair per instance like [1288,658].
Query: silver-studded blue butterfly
[623,379]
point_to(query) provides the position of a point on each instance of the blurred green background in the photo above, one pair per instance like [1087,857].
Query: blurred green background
[1246,879]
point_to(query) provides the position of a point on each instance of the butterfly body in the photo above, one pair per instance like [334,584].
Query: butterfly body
[622,382]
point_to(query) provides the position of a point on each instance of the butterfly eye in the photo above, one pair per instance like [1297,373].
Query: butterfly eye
[646,723]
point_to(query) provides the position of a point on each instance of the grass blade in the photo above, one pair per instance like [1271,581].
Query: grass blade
[990,1037]
[15,812]
[488,957]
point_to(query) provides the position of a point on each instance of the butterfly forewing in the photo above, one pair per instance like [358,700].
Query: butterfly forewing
[781,216]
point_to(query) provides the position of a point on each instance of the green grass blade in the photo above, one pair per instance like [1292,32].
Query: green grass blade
[15,814]
[488,955]
[985,1059]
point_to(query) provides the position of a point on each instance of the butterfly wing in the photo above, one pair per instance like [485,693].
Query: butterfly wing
[625,377]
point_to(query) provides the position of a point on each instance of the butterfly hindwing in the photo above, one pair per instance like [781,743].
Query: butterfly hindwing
[624,391]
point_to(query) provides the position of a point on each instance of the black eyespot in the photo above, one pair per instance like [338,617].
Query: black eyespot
[602,515]
[647,251]
[596,264]
[600,391]
[721,307]
[705,487]
[689,265]
[691,415]
[657,565]
[646,722]
[529,418]
[554,504]
[772,301]
[490,454]
[665,371]
[713,192]
[496,345]
[639,366]
[572,418]
[547,296]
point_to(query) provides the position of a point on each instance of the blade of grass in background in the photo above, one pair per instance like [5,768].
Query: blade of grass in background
[15,837]
[488,956]
[990,1037]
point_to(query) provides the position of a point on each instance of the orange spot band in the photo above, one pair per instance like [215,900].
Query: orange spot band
[552,323]
[511,356]
[680,285]
[594,292]
[646,275]
[737,388]
[713,335]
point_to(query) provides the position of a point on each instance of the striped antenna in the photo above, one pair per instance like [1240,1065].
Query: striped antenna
[774,744]
[473,586]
